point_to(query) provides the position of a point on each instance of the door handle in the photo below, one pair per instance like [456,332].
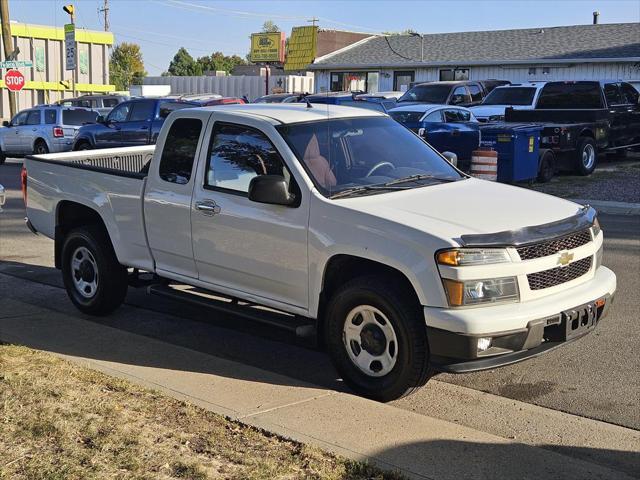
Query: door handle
[455,132]
[34,129]
[144,128]
[208,207]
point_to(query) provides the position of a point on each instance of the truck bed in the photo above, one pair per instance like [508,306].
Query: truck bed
[127,161]
[108,181]
[557,116]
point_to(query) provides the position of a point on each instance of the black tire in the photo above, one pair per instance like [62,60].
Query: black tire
[411,368]
[586,146]
[110,278]
[40,147]
[84,145]
[546,166]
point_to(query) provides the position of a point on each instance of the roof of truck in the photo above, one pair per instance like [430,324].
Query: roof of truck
[278,113]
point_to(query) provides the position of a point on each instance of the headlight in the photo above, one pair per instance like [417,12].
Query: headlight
[472,256]
[474,292]
[595,228]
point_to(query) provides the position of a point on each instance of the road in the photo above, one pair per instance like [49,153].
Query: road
[597,377]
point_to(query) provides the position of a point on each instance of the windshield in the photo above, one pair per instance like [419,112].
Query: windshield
[347,153]
[510,96]
[427,94]
[78,117]
[404,116]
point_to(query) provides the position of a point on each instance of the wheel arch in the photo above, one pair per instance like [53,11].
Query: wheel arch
[40,139]
[83,139]
[342,268]
[587,132]
[70,215]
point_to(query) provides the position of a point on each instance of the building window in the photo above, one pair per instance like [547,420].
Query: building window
[402,80]
[447,74]
[40,59]
[546,70]
[354,81]
[533,70]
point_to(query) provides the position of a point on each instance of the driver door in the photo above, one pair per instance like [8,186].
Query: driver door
[253,250]
[110,135]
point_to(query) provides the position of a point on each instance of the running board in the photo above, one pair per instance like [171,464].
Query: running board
[305,329]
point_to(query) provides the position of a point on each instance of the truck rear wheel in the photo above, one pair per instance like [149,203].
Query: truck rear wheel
[376,337]
[586,155]
[96,283]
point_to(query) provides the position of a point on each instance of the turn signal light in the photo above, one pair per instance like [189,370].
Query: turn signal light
[23,184]
[448,257]
[455,292]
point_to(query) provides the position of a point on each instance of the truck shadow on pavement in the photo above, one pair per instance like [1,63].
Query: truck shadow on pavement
[461,460]
[173,322]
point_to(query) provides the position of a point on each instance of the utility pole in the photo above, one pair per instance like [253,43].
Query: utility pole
[7,42]
[105,10]
[313,21]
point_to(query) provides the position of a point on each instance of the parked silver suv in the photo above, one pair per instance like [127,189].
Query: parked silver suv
[102,104]
[42,129]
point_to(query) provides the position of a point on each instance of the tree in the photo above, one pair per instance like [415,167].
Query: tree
[220,61]
[270,27]
[126,67]
[184,65]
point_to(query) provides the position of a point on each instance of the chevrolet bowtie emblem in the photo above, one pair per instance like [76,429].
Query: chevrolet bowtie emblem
[565,258]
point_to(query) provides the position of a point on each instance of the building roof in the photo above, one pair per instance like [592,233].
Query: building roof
[584,43]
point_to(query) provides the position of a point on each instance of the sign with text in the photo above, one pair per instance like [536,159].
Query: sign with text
[267,47]
[14,80]
[70,46]
[11,64]
[301,50]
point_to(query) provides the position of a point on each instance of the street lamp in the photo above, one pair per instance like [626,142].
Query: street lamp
[415,34]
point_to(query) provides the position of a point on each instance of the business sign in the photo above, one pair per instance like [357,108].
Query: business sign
[302,47]
[14,80]
[12,64]
[70,46]
[267,47]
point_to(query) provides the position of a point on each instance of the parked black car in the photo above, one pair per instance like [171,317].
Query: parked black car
[582,118]
[462,93]
[136,122]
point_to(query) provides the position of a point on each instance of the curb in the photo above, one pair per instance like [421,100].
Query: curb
[611,208]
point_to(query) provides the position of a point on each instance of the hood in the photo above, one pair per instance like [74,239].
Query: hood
[471,206]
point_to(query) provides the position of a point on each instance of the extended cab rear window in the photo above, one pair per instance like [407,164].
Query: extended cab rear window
[78,117]
[570,95]
[179,150]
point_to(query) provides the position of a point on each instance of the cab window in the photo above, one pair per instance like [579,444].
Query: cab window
[33,118]
[120,113]
[178,154]
[434,116]
[612,94]
[50,116]
[629,94]
[19,119]
[238,154]
[476,93]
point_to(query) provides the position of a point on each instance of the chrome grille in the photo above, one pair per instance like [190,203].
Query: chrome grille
[551,247]
[559,275]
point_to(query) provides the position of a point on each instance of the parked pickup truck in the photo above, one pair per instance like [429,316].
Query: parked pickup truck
[336,217]
[582,119]
[131,123]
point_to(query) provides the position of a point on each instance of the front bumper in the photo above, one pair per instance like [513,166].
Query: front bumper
[538,327]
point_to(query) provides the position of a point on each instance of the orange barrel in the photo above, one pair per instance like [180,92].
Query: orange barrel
[484,164]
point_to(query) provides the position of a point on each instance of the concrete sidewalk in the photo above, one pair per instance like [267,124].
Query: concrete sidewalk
[394,439]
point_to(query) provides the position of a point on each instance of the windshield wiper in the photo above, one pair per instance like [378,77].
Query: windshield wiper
[365,188]
[420,176]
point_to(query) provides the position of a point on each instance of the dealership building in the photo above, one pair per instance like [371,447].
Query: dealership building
[47,80]
[393,62]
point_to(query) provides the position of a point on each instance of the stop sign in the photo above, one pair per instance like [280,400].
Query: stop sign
[14,80]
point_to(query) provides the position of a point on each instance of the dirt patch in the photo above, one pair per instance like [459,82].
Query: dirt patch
[61,421]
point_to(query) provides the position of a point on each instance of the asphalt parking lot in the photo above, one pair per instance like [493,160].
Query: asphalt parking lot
[597,377]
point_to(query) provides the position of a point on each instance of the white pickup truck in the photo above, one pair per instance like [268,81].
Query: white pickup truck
[336,216]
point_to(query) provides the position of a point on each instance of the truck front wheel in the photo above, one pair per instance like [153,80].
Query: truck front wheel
[376,336]
[586,155]
[96,283]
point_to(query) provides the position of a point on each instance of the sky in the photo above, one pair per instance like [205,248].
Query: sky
[160,27]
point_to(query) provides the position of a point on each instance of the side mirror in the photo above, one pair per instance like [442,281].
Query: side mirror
[270,189]
[6,124]
[451,157]
[101,119]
